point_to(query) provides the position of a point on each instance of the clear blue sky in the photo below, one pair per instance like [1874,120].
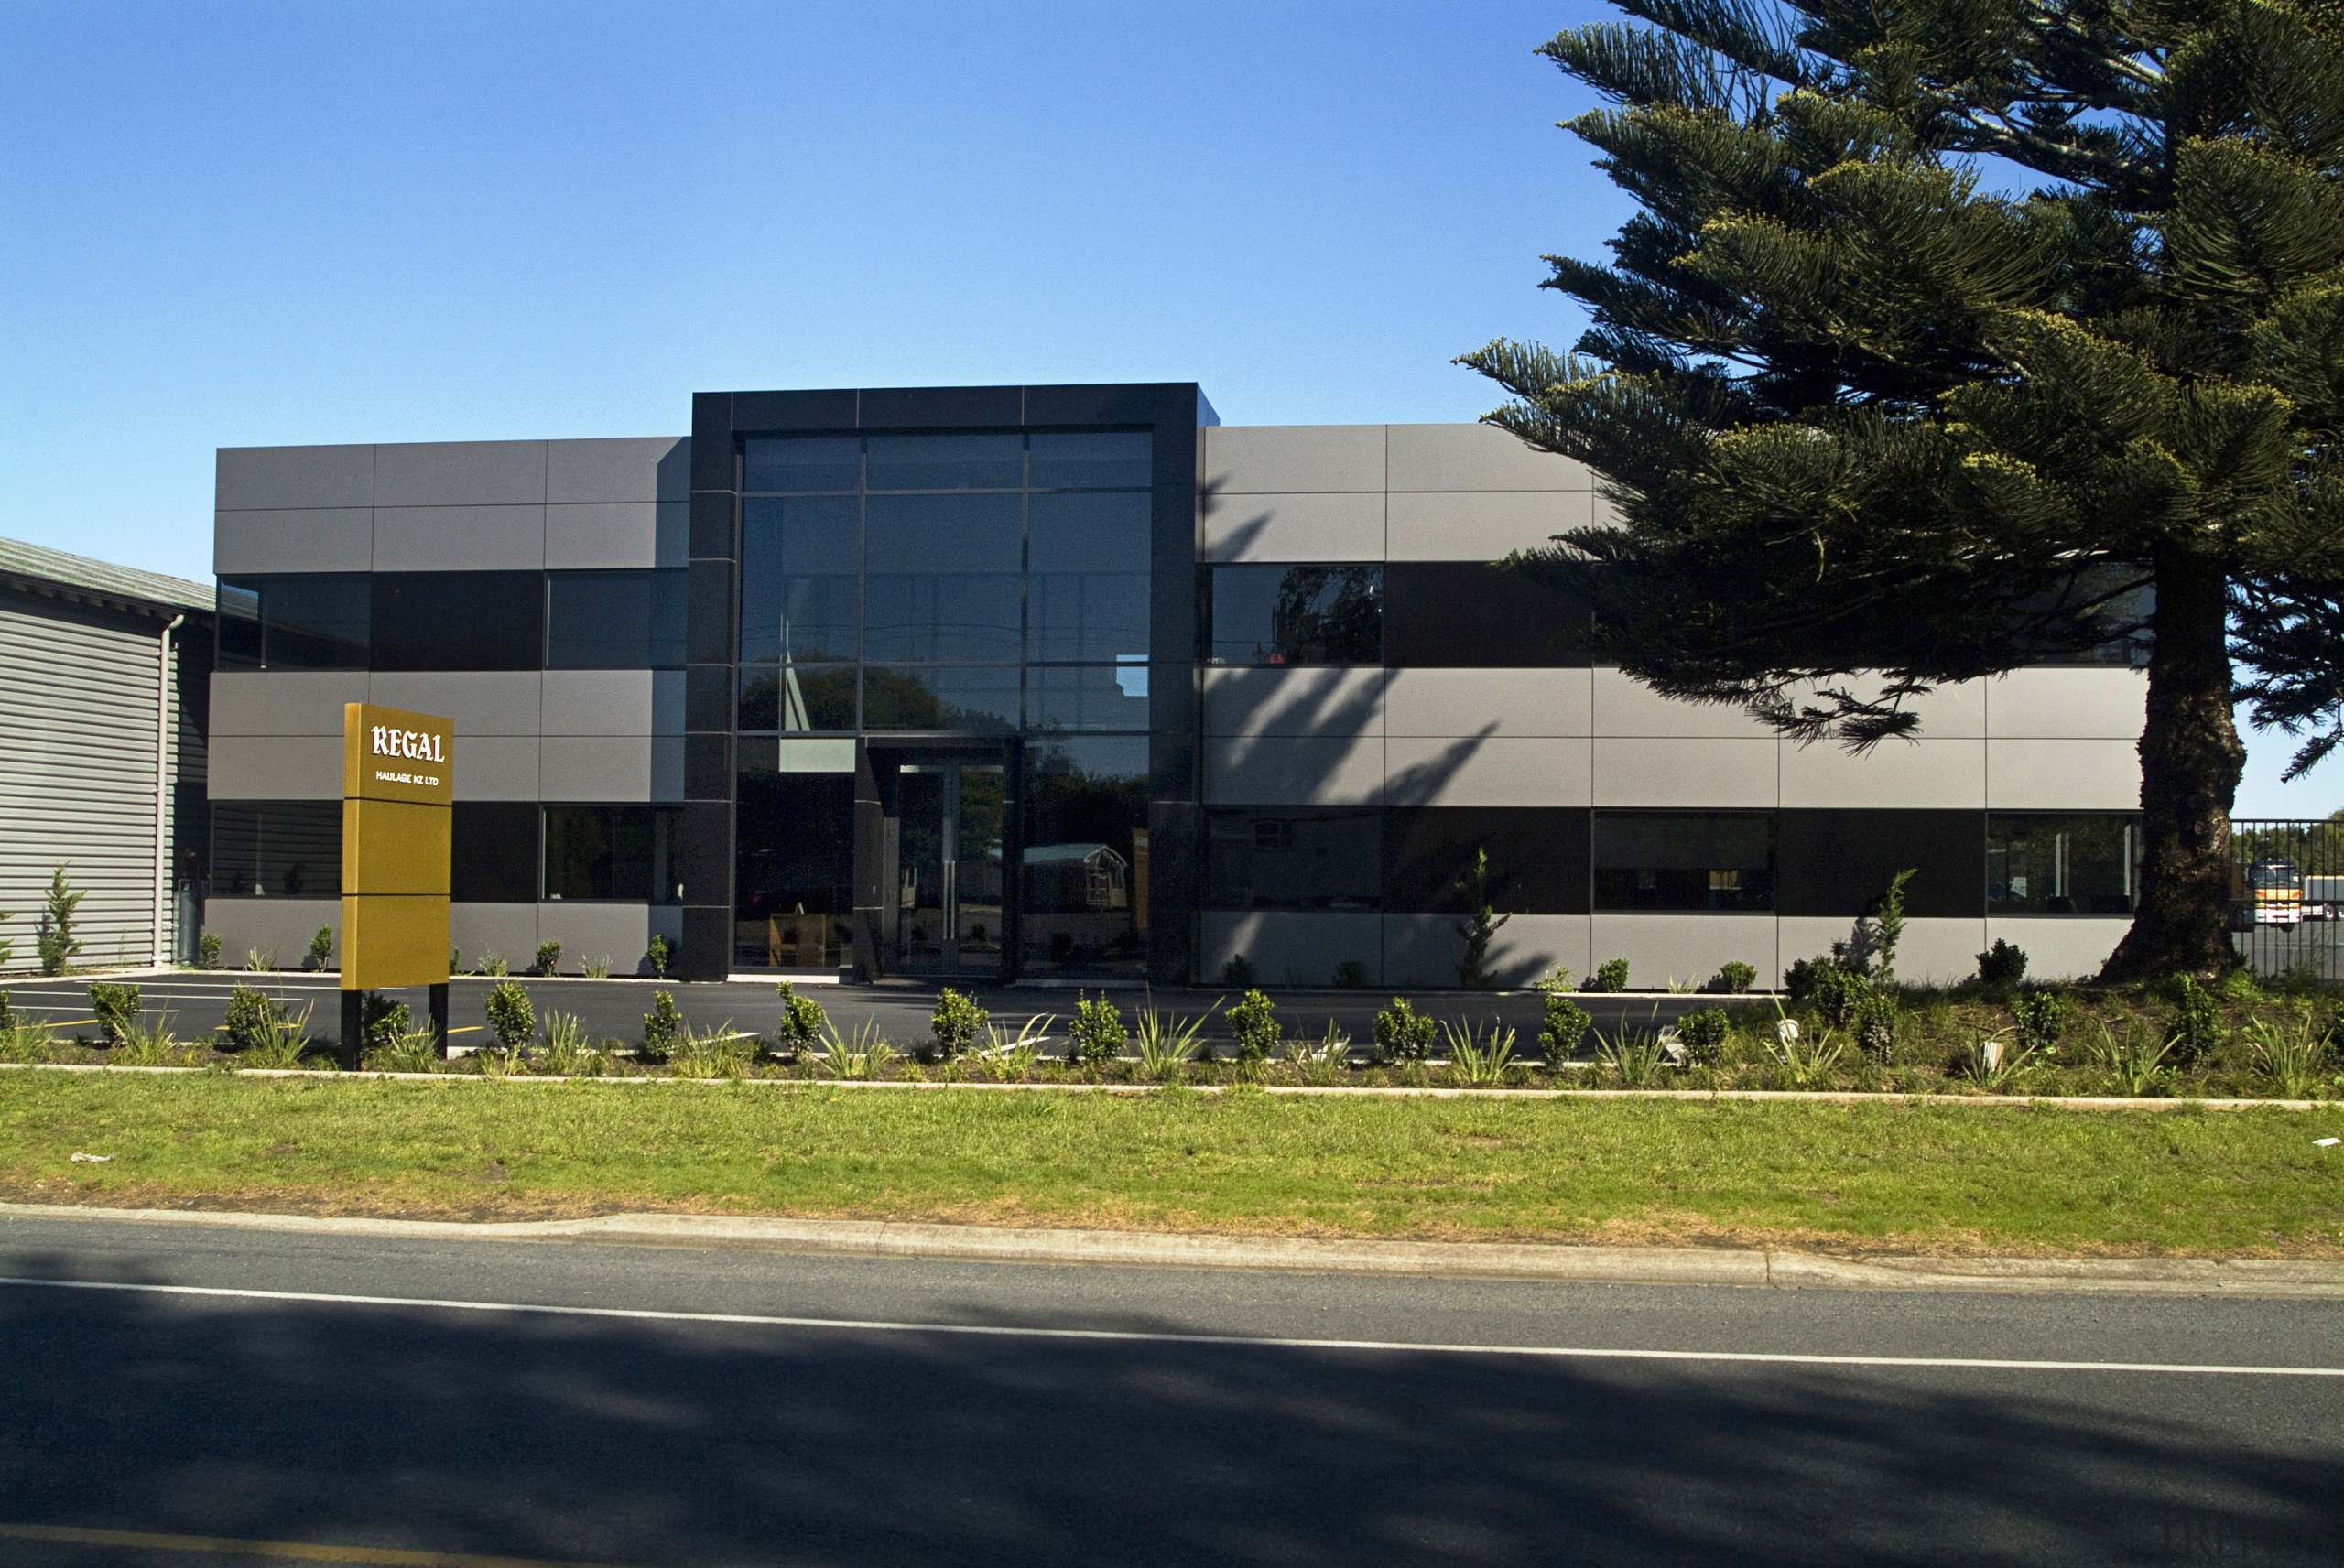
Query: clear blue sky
[236,224]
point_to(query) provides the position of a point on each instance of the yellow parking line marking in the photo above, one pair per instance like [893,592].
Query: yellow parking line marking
[300,1551]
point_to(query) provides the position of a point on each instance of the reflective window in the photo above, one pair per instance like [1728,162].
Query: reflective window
[494,852]
[1288,857]
[1684,859]
[277,849]
[802,462]
[1087,696]
[794,865]
[2073,864]
[1086,857]
[794,699]
[295,623]
[611,852]
[616,620]
[968,697]
[945,577]
[1091,460]
[1512,623]
[1087,598]
[947,462]
[1297,616]
[797,578]
[1537,858]
[459,620]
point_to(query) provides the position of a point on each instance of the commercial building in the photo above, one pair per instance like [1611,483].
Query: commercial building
[1076,683]
[102,685]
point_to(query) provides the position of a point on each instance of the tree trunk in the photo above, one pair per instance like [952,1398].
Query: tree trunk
[2191,758]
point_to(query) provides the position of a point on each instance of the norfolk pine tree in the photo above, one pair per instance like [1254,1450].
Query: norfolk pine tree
[1957,335]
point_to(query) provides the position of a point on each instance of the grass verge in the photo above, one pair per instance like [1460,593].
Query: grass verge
[1876,1176]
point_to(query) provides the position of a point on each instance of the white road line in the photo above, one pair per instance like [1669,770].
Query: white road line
[1135,1337]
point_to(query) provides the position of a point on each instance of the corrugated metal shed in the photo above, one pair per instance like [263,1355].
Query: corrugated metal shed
[80,686]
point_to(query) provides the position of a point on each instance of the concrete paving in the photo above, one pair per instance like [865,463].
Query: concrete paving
[537,1401]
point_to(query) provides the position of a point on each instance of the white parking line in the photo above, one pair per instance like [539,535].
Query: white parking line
[1140,1337]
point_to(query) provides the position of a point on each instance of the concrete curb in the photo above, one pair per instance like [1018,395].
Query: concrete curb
[1818,1096]
[1748,1267]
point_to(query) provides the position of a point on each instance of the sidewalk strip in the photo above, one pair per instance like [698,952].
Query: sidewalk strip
[1144,1336]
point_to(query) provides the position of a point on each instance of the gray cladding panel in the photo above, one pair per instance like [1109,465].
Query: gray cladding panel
[460,538]
[585,536]
[1482,525]
[631,468]
[254,479]
[275,767]
[327,539]
[594,767]
[283,702]
[479,702]
[1302,526]
[461,473]
[1477,457]
[599,702]
[1259,458]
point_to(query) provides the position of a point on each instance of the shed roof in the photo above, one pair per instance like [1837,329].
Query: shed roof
[36,569]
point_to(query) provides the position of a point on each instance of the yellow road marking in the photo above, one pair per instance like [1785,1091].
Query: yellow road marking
[300,1551]
[67,1023]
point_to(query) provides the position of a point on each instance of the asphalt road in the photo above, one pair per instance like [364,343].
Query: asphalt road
[197,1002]
[1211,1425]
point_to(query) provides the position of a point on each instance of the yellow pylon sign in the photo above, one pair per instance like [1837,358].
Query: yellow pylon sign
[397,798]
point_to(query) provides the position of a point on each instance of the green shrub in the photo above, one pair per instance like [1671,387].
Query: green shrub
[1479,927]
[1254,1024]
[1404,1034]
[383,1023]
[657,955]
[280,1041]
[597,969]
[803,1023]
[549,957]
[206,950]
[1238,971]
[321,947]
[55,940]
[1736,978]
[7,1014]
[1098,1032]
[2003,964]
[2241,984]
[2042,1017]
[956,1023]
[2197,1028]
[1835,990]
[1351,975]
[662,1025]
[1872,1018]
[252,1015]
[511,1018]
[1611,975]
[1563,1027]
[116,1007]
[1703,1034]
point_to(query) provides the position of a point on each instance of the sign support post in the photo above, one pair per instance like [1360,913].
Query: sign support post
[397,805]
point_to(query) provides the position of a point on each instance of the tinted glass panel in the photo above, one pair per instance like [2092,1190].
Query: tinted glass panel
[1297,616]
[945,577]
[797,585]
[494,852]
[306,622]
[611,852]
[1684,859]
[794,868]
[802,462]
[798,698]
[1107,461]
[1087,697]
[1293,859]
[616,621]
[277,849]
[1537,858]
[1467,614]
[459,620]
[1840,862]
[1086,857]
[1087,599]
[2080,864]
[947,462]
[940,697]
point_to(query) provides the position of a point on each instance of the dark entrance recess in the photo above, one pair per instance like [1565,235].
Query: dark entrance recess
[946,843]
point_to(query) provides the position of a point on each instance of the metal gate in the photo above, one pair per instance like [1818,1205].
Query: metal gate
[2287,895]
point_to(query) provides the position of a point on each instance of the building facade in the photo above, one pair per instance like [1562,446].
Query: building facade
[1076,683]
[102,757]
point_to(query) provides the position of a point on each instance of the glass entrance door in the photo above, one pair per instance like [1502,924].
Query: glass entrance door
[952,817]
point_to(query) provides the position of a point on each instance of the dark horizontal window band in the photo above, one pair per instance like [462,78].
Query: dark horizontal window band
[1474,615]
[455,620]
